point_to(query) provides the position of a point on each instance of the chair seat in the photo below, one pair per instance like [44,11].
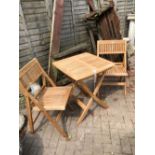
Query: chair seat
[54,98]
[117,70]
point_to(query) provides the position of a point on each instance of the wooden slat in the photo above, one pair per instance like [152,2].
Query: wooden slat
[81,104]
[82,66]
[114,83]
[117,70]
[54,98]
[36,17]
[33,4]
[31,11]
[58,7]
[39,37]
[37,24]
[111,46]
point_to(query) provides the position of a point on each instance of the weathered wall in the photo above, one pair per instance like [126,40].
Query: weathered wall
[35,24]
[124,7]
[34,30]
[73,27]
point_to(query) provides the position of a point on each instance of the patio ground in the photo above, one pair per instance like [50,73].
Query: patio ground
[103,132]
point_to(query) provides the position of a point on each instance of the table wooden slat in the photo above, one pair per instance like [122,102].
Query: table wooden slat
[82,66]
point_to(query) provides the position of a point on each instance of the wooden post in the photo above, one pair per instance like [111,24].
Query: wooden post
[91,4]
[92,39]
[58,8]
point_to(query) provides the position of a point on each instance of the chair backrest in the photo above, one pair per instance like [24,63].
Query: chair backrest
[30,73]
[112,47]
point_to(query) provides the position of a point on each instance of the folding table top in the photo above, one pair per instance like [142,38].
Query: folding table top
[82,66]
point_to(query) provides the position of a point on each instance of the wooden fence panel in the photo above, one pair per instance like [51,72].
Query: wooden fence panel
[35,26]
[34,34]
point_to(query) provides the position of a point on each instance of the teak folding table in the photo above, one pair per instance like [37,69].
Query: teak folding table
[83,66]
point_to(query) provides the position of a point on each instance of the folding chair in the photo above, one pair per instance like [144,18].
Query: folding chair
[48,99]
[114,48]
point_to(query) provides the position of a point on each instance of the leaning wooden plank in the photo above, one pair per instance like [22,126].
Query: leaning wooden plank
[56,28]
[77,48]
[116,24]
[91,4]
[92,39]
[91,15]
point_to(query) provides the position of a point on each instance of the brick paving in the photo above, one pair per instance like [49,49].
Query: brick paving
[103,132]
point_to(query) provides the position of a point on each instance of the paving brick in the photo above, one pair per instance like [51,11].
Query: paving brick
[105,126]
[103,112]
[89,121]
[104,119]
[133,150]
[88,146]
[108,148]
[132,141]
[122,134]
[116,118]
[113,149]
[108,153]
[73,133]
[33,151]
[45,142]
[97,121]
[69,151]
[77,152]
[40,151]
[37,142]
[114,132]
[48,131]
[80,134]
[115,125]
[125,145]
[79,145]
[98,149]
[26,148]
[102,138]
[116,148]
[115,140]
[60,148]
[48,151]
[54,139]
[96,110]
[88,138]
[96,131]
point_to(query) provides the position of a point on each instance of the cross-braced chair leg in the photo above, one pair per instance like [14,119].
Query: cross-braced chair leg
[30,119]
[125,91]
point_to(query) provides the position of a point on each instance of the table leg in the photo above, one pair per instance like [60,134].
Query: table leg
[93,95]
[84,87]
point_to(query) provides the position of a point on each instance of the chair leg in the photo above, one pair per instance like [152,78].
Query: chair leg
[30,119]
[54,123]
[125,87]
[58,116]
[125,90]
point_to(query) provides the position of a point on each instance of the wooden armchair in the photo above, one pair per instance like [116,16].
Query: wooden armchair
[114,48]
[47,99]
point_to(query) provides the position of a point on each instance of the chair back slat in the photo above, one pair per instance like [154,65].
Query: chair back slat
[30,73]
[111,47]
